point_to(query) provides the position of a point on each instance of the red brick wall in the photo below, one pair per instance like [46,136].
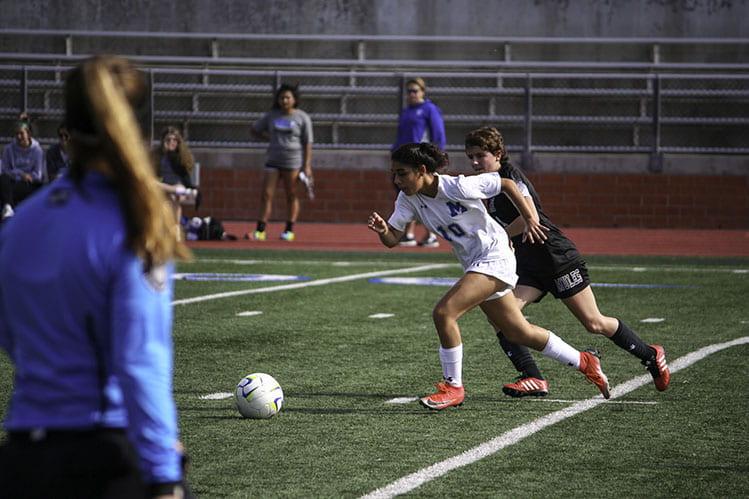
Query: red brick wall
[571,200]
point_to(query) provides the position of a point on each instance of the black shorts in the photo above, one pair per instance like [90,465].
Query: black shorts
[561,283]
[98,463]
[91,463]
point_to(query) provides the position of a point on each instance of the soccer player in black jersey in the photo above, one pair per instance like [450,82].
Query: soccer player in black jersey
[553,266]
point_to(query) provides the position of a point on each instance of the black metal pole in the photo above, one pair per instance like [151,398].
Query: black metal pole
[656,157]
[527,159]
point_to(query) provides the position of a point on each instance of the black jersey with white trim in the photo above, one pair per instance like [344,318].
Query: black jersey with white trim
[557,252]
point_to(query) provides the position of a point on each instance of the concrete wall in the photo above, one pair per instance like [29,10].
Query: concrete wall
[625,18]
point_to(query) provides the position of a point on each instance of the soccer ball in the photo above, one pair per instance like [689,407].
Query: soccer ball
[258,396]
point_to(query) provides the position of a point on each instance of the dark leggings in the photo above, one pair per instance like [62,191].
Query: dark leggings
[14,191]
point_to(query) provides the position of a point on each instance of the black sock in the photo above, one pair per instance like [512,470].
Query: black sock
[626,339]
[289,227]
[261,226]
[520,357]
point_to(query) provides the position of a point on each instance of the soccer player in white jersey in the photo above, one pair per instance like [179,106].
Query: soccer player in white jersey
[453,208]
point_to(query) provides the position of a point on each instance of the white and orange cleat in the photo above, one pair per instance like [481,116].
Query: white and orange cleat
[526,386]
[446,396]
[658,368]
[590,366]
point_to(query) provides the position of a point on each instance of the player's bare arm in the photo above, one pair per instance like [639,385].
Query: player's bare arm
[388,235]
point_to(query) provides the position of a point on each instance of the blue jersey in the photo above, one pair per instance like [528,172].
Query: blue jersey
[89,332]
[421,123]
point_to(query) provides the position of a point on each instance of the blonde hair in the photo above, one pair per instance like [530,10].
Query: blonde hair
[418,81]
[99,96]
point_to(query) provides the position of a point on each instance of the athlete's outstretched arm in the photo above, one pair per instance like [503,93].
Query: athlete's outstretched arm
[388,235]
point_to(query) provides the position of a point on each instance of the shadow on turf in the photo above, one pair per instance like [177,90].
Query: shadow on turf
[385,409]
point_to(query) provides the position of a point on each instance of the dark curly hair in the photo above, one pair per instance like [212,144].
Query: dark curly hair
[429,155]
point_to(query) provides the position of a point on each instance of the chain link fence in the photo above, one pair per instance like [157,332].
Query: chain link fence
[549,112]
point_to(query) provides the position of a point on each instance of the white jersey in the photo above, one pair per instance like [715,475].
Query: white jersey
[458,214]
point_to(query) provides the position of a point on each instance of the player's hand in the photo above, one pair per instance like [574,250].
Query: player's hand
[376,223]
[534,232]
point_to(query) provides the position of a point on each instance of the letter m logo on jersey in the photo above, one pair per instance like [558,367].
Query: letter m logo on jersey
[456,208]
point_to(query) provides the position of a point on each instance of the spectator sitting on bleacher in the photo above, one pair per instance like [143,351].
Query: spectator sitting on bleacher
[22,169]
[58,160]
[174,165]
[174,161]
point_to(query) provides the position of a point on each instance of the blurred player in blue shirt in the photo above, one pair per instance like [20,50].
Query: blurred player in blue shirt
[85,311]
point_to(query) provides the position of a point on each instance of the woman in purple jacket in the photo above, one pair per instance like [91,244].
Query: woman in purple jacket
[420,121]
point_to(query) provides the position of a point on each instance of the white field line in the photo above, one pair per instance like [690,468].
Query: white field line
[620,268]
[316,282]
[569,401]
[665,268]
[326,263]
[408,400]
[217,396]
[418,478]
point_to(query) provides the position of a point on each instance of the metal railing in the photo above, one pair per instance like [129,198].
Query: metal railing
[651,113]
[384,51]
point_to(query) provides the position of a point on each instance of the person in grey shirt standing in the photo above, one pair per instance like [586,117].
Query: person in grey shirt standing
[288,131]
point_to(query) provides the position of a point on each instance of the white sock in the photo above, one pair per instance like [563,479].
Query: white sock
[452,364]
[560,351]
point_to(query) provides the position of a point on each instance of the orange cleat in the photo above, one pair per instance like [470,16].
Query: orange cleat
[527,386]
[590,366]
[446,396]
[659,369]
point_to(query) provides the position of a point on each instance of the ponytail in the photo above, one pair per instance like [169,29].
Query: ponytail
[107,131]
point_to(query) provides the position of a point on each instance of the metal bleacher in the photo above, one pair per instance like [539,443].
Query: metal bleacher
[546,94]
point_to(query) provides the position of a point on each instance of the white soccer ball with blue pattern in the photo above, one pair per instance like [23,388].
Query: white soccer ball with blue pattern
[259,396]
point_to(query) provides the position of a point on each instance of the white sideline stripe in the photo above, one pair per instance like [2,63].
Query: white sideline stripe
[402,400]
[622,268]
[326,263]
[653,319]
[669,268]
[566,401]
[408,400]
[414,480]
[217,396]
[249,313]
[381,316]
[316,282]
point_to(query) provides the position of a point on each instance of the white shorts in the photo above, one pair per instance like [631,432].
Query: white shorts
[501,269]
